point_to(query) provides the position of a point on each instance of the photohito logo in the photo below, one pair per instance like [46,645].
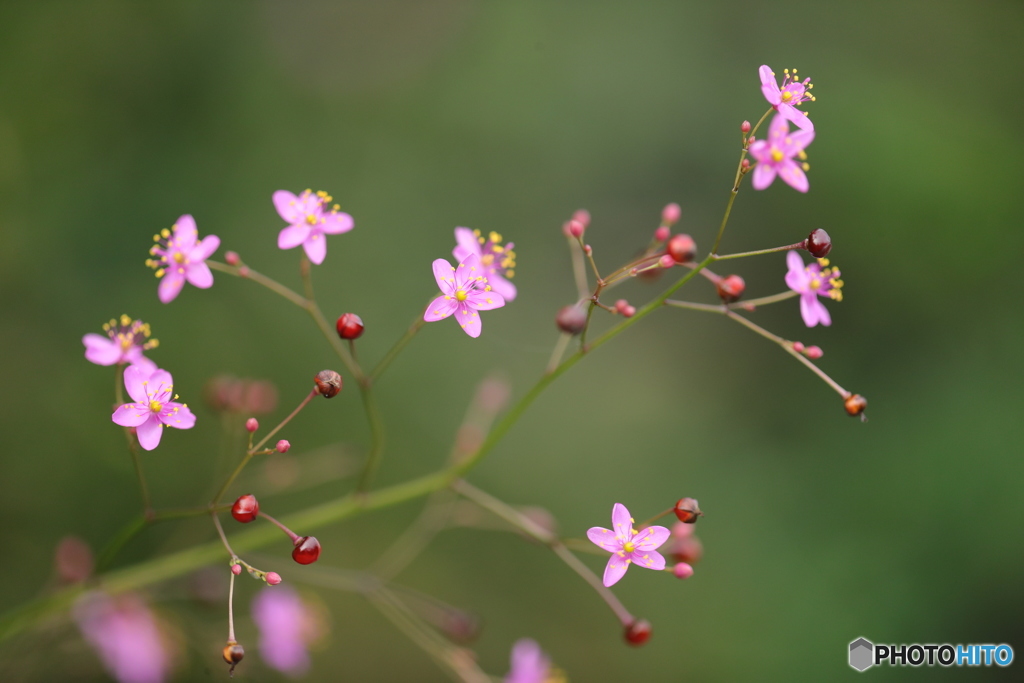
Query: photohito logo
[864,654]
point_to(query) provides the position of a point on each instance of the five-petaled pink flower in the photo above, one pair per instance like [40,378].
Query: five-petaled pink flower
[153,407]
[125,341]
[529,663]
[286,628]
[812,281]
[498,261]
[125,635]
[311,217]
[180,258]
[785,99]
[775,155]
[627,545]
[464,291]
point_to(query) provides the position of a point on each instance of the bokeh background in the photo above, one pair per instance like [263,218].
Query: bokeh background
[117,117]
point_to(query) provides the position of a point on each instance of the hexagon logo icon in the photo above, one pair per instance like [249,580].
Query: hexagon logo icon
[861,654]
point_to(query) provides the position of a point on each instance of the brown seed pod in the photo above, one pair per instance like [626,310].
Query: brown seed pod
[687,510]
[233,653]
[328,383]
[855,404]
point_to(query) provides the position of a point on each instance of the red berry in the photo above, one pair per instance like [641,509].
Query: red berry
[687,510]
[350,326]
[730,288]
[328,383]
[307,550]
[246,508]
[819,243]
[571,319]
[681,248]
[638,632]
[855,404]
[252,424]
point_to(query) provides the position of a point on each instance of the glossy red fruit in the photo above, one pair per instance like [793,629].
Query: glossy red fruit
[350,326]
[328,383]
[246,508]
[819,243]
[638,632]
[571,319]
[681,248]
[687,510]
[731,288]
[307,550]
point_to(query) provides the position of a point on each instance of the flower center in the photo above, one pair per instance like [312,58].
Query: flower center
[460,295]
[155,406]
[179,257]
[777,155]
[311,219]
[629,546]
[787,96]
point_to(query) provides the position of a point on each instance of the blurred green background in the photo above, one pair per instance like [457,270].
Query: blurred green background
[117,117]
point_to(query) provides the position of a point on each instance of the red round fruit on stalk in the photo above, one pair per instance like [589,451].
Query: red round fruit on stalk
[687,510]
[681,248]
[638,632]
[855,404]
[307,550]
[350,326]
[819,243]
[328,383]
[731,288]
[233,653]
[246,508]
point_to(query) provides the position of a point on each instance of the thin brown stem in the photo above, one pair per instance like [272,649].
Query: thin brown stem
[744,254]
[223,536]
[579,268]
[291,534]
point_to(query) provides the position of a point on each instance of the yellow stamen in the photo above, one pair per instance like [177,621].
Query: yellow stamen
[628,546]
[460,295]
[787,96]
[311,219]
[179,257]
[777,155]
[155,406]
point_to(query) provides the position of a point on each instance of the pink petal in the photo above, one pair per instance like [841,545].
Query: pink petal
[316,247]
[799,118]
[794,176]
[170,286]
[177,415]
[135,382]
[287,205]
[760,150]
[615,570]
[823,316]
[336,223]
[185,233]
[158,386]
[445,275]
[622,522]
[204,249]
[485,301]
[149,433]
[440,308]
[764,175]
[467,270]
[131,414]
[506,289]
[796,142]
[199,275]
[466,244]
[649,559]
[604,538]
[651,538]
[469,320]
[101,350]
[809,308]
[292,236]
[778,129]
[141,362]
[796,277]
[769,86]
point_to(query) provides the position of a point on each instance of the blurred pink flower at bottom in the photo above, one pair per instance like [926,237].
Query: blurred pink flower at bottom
[125,635]
[286,627]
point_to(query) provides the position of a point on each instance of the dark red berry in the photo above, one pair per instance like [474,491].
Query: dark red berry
[246,508]
[350,326]
[681,248]
[638,632]
[819,243]
[571,319]
[731,288]
[328,383]
[855,404]
[687,510]
[307,550]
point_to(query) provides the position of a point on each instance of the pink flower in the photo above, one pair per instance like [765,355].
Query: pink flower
[498,261]
[286,627]
[792,93]
[180,258]
[529,664]
[775,155]
[464,291]
[153,408]
[811,282]
[125,341]
[125,635]
[627,545]
[309,221]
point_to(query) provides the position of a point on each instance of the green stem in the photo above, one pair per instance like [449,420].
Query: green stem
[579,268]
[742,254]
[377,439]
[133,450]
[399,345]
[259,278]
[120,539]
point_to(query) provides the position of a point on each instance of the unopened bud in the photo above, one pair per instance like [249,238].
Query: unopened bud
[624,309]
[243,271]
[687,549]
[731,288]
[682,530]
[814,352]
[745,164]
[582,216]
[350,326]
[283,446]
[638,632]
[576,228]
[571,319]
[232,258]
[252,424]
[233,653]
[272,578]
[798,347]
[687,510]
[682,570]
[745,127]
[662,233]
[819,243]
[670,214]
[236,569]
[328,383]
[73,559]
[681,248]
[587,250]
[855,404]
[666,261]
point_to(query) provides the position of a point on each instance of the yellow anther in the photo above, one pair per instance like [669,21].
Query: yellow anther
[321,193]
[460,295]
[787,96]
[179,257]
[806,166]
[337,207]
[165,233]
[628,546]
[311,219]
[494,237]
[476,233]
[155,406]
[815,283]
[802,154]
[823,262]
[510,274]
[156,238]
[497,249]
[777,155]
[160,273]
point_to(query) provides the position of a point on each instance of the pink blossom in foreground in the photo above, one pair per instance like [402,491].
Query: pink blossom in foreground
[153,408]
[775,156]
[785,99]
[180,257]
[812,281]
[627,545]
[464,291]
[310,217]
[498,261]
[125,635]
[529,663]
[286,627]
[125,341]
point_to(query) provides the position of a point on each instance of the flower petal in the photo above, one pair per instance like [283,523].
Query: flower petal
[651,538]
[177,415]
[287,205]
[622,523]
[466,244]
[440,308]
[769,86]
[467,270]
[149,433]
[764,176]
[316,247]
[131,414]
[199,275]
[614,570]
[170,286]
[101,350]
[485,301]
[135,382]
[794,176]
[336,222]
[649,559]
[809,308]
[159,386]
[506,289]
[469,320]
[292,236]
[445,275]
[796,277]
[778,129]
[799,118]
[185,233]
[204,249]
[604,538]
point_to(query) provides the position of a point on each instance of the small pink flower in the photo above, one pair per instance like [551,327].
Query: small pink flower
[627,545]
[153,408]
[775,155]
[811,282]
[125,635]
[286,627]
[464,291]
[310,219]
[498,261]
[125,341]
[785,99]
[529,663]
[180,258]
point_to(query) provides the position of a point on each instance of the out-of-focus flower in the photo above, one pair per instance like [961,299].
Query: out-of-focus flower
[73,560]
[153,407]
[530,664]
[125,635]
[627,545]
[310,216]
[180,257]
[497,262]
[812,281]
[775,156]
[464,291]
[785,99]
[286,627]
[225,393]
[125,341]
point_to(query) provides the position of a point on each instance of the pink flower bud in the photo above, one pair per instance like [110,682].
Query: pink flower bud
[666,261]
[621,304]
[273,578]
[73,559]
[798,347]
[745,165]
[587,249]
[283,446]
[582,216]
[252,424]
[814,352]
[236,569]
[682,248]
[731,288]
[571,319]
[682,530]
[628,311]
[576,228]
[662,233]
[232,258]
[243,271]
[670,214]
[745,127]
[682,570]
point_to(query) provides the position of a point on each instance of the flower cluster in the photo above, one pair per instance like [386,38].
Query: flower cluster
[812,281]
[125,341]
